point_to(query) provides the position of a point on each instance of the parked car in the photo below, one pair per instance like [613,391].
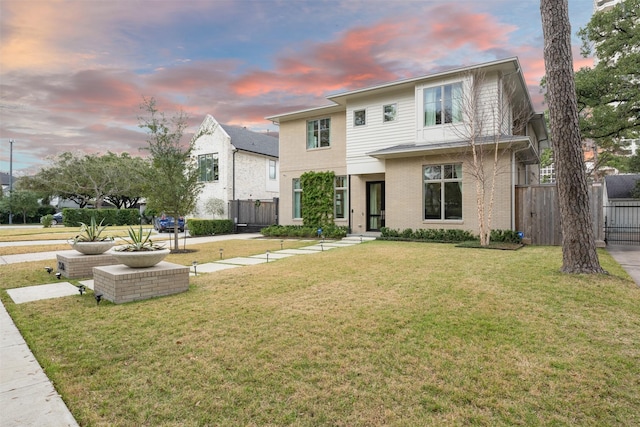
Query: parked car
[166,223]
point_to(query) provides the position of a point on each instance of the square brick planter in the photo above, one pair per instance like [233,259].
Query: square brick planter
[74,265]
[119,283]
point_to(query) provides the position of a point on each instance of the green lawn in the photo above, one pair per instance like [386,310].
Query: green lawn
[382,333]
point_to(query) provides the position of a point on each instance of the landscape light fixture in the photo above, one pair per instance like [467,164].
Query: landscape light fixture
[81,289]
[58,274]
[321,247]
[98,298]
[281,243]
[49,269]
[268,255]
[221,251]
[195,267]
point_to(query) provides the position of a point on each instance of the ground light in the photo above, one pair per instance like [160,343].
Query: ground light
[195,267]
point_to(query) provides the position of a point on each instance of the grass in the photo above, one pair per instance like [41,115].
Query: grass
[382,333]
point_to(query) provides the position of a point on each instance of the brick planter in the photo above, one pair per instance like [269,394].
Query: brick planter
[120,284]
[74,265]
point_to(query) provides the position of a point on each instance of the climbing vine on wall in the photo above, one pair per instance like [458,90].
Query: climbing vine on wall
[317,198]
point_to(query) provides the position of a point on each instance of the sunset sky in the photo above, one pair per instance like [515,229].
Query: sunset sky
[73,72]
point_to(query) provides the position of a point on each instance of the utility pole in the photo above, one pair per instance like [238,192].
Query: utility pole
[10,179]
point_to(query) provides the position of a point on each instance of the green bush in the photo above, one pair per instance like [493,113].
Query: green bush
[209,227]
[73,217]
[328,231]
[47,221]
[427,234]
[506,236]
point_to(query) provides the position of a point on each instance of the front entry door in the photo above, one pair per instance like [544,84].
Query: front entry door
[375,205]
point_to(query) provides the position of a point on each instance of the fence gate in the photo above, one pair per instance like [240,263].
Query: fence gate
[622,224]
[249,216]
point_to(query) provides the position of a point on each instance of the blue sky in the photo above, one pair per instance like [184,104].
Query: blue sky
[73,72]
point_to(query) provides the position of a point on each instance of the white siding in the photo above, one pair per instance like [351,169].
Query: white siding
[376,134]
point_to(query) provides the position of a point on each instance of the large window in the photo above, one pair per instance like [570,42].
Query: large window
[318,133]
[340,197]
[443,192]
[208,167]
[297,199]
[443,104]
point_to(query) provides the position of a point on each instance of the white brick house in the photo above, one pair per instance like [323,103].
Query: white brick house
[234,164]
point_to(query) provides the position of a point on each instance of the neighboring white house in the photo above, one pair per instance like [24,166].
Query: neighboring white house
[234,164]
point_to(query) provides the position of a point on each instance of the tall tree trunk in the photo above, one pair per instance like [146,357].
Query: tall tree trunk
[578,240]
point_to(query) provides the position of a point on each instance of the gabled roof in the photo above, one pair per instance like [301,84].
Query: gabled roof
[620,186]
[252,142]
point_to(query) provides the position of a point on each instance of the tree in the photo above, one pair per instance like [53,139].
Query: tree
[486,125]
[214,206]
[128,181]
[24,202]
[578,240]
[608,95]
[173,179]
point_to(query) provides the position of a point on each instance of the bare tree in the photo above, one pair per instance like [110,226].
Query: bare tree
[579,253]
[488,122]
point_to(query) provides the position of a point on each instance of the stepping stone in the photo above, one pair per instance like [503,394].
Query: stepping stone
[319,248]
[212,267]
[35,293]
[243,261]
[295,252]
[272,256]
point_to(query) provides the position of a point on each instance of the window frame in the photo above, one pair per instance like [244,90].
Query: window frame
[317,132]
[447,104]
[342,191]
[273,173]
[363,122]
[215,167]
[447,212]
[394,117]
[296,200]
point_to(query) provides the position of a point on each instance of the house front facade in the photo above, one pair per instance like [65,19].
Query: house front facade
[234,164]
[401,152]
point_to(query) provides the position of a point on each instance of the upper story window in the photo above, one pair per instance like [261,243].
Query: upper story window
[272,169]
[360,117]
[318,133]
[389,112]
[208,167]
[443,104]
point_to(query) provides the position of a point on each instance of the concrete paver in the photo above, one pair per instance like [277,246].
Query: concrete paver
[628,256]
[34,293]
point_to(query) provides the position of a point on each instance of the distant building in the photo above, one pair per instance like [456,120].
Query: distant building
[234,164]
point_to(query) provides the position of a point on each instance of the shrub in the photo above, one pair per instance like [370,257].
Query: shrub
[427,234]
[47,221]
[209,227]
[330,231]
[74,217]
[506,236]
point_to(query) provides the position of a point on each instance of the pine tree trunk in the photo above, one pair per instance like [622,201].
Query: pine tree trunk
[578,240]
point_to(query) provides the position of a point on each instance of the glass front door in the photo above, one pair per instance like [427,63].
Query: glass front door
[375,205]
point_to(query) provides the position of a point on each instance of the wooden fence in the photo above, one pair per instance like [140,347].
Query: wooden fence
[538,214]
[252,215]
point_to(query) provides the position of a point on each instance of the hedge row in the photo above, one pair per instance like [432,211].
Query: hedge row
[209,227]
[427,234]
[73,217]
[328,231]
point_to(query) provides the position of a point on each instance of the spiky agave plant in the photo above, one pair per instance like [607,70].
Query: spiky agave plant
[92,232]
[139,241]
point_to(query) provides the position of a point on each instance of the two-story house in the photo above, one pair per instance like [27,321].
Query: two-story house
[401,151]
[234,164]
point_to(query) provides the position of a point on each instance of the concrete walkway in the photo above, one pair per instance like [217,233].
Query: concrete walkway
[628,256]
[27,397]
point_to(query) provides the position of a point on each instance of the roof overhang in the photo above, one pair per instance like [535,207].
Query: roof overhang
[522,146]
[308,113]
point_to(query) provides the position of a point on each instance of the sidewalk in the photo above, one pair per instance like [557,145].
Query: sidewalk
[628,256]
[27,397]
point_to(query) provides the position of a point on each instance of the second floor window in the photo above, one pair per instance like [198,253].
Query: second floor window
[208,167]
[318,133]
[359,117]
[443,104]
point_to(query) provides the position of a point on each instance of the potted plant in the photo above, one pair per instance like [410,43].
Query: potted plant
[90,241]
[139,251]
